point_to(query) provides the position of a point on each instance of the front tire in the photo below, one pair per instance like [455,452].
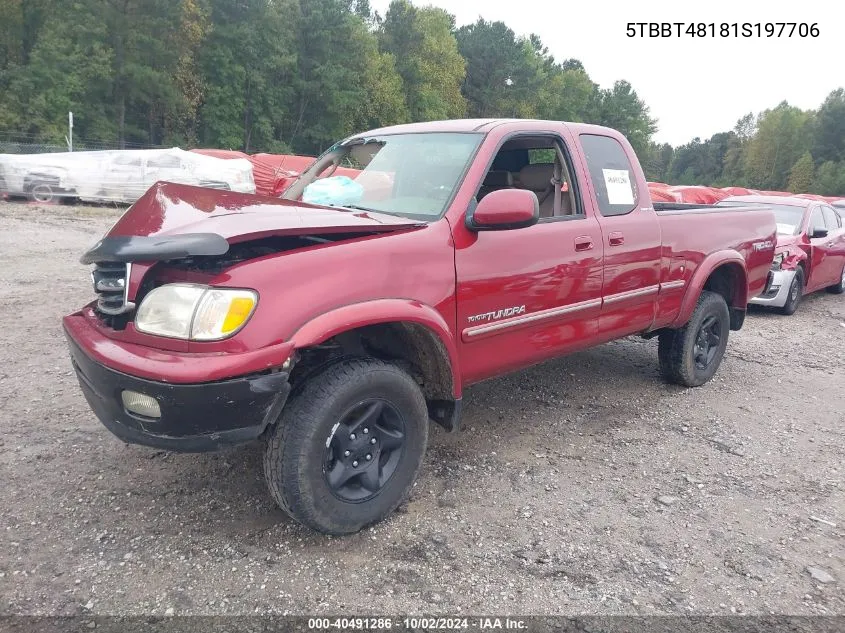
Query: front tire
[348,447]
[796,291]
[691,355]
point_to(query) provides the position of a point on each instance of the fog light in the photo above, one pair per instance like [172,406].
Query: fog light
[139,404]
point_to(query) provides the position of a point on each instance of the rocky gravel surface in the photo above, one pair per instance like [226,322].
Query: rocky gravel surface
[582,486]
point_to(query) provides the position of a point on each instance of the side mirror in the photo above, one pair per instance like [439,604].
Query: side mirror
[818,233]
[504,209]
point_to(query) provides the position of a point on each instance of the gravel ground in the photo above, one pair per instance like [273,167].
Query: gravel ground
[582,486]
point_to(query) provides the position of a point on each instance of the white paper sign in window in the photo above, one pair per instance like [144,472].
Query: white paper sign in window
[618,185]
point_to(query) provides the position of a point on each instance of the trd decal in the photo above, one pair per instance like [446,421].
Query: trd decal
[498,314]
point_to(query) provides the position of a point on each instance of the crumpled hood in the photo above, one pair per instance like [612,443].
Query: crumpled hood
[171,221]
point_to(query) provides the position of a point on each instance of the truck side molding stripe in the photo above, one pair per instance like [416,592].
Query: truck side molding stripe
[632,294]
[672,285]
[472,332]
[530,318]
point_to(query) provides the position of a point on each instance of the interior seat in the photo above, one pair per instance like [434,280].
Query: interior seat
[539,178]
[495,179]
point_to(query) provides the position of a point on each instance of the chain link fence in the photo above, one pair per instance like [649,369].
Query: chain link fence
[23,143]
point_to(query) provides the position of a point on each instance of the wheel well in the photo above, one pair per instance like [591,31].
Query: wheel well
[728,280]
[412,346]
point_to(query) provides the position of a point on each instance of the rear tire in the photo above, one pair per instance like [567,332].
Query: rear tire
[796,292]
[691,355]
[838,288]
[41,192]
[348,447]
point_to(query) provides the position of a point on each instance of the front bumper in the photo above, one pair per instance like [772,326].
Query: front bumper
[777,291]
[194,417]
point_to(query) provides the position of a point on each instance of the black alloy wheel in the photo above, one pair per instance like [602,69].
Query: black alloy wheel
[364,450]
[691,355]
[707,342]
[348,445]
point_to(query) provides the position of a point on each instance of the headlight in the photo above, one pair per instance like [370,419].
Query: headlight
[199,313]
[777,262]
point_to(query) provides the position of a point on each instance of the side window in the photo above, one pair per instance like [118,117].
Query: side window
[831,219]
[816,221]
[540,164]
[127,160]
[612,174]
[165,162]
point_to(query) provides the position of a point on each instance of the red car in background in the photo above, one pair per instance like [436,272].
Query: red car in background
[810,252]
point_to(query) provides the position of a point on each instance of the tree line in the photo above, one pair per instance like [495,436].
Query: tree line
[781,149]
[296,75]
[277,75]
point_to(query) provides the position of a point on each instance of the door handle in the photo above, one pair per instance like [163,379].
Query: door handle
[616,238]
[583,243]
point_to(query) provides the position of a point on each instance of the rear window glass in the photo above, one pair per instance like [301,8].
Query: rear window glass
[541,156]
[787,217]
[167,162]
[611,173]
[830,218]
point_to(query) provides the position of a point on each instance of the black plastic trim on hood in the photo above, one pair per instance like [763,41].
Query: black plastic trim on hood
[159,248]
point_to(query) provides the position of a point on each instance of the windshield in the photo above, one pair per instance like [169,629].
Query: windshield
[411,175]
[788,218]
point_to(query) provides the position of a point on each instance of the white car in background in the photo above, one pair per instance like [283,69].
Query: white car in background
[119,175]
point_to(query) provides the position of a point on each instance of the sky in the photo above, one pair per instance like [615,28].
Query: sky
[693,87]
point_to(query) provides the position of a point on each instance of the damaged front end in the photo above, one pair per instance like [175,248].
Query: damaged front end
[781,279]
[159,354]
[181,233]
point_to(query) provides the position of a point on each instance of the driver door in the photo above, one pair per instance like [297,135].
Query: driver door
[529,294]
[822,258]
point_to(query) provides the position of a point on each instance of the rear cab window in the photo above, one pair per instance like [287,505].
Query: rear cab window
[612,174]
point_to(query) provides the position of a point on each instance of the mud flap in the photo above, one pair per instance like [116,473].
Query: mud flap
[447,413]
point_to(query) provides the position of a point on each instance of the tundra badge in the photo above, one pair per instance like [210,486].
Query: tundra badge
[498,314]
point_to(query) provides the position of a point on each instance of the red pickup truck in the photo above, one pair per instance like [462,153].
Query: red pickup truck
[336,332]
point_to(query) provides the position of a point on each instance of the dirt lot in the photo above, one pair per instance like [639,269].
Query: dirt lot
[546,502]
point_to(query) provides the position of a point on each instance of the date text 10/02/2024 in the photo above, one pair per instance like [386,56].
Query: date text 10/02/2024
[722,29]
[417,623]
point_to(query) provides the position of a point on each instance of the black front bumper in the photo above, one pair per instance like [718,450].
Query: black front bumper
[194,418]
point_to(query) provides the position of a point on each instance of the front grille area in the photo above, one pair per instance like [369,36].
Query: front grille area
[110,281]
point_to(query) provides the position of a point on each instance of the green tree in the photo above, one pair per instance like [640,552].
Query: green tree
[656,161]
[829,132]
[801,175]
[622,109]
[830,179]
[504,73]
[194,27]
[69,69]
[334,56]
[733,165]
[780,141]
[384,103]
[568,95]
[427,58]
[249,67]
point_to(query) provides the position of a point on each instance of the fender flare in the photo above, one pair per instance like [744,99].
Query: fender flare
[699,278]
[356,315]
